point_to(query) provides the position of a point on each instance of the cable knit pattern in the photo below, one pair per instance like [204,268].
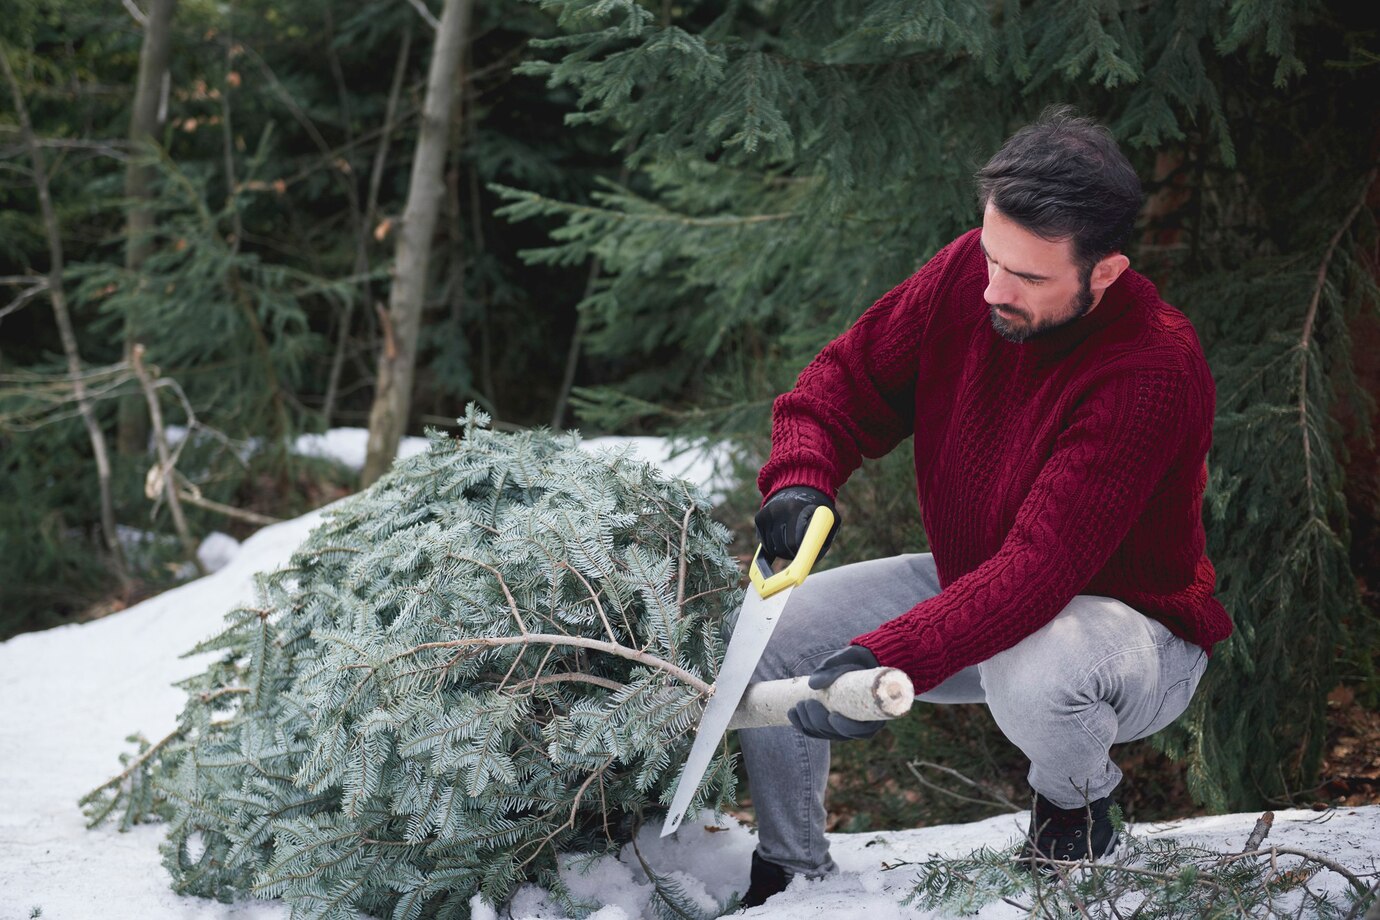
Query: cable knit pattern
[1071,464]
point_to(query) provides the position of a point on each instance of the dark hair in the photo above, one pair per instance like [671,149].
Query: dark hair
[1064,177]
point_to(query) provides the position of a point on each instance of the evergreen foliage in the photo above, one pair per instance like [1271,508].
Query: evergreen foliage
[496,654]
[794,161]
[280,172]
[1156,879]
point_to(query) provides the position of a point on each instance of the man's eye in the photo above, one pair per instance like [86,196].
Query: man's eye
[1032,281]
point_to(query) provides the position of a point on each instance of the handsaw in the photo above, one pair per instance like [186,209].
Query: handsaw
[766,599]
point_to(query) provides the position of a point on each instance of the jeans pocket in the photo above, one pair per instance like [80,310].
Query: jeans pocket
[1176,699]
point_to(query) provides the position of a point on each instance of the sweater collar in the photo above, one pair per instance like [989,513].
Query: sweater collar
[1057,343]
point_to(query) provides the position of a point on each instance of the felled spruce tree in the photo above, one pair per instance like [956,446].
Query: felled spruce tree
[495,654]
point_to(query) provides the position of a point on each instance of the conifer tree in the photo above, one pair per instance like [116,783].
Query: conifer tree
[495,654]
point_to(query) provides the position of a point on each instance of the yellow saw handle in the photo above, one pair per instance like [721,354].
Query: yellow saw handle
[767,583]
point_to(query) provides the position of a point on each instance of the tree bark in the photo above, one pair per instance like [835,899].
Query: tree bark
[144,124]
[58,298]
[397,362]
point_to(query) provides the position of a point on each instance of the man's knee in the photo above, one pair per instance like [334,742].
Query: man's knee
[1027,694]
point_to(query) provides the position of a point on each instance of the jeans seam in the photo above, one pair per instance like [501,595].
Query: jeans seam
[1092,672]
[804,839]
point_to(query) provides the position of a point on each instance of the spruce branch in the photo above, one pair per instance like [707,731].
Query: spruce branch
[135,766]
[1310,317]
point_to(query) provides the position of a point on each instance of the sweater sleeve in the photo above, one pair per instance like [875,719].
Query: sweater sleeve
[1104,467]
[856,398]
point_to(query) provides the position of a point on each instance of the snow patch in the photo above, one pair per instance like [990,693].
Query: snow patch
[216,551]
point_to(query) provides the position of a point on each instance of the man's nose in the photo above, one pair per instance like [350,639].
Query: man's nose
[999,287]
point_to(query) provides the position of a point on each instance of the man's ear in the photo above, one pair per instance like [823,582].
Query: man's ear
[1106,271]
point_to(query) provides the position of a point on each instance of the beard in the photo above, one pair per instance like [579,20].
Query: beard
[1023,327]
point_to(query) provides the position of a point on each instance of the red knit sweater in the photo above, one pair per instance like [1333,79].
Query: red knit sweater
[1071,464]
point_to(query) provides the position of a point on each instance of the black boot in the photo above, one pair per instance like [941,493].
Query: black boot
[1068,834]
[767,879]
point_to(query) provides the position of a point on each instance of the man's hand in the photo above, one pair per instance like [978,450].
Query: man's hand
[783,520]
[815,720]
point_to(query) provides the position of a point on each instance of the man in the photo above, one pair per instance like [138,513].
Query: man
[1062,415]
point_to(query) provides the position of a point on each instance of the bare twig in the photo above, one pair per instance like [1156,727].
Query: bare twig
[609,648]
[572,676]
[136,13]
[572,356]
[223,691]
[512,603]
[113,148]
[165,462]
[1321,860]
[1372,895]
[1260,831]
[593,596]
[684,562]
[365,219]
[192,496]
[427,16]
[38,287]
[995,797]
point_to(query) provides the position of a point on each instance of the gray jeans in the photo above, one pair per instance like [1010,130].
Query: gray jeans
[1098,674]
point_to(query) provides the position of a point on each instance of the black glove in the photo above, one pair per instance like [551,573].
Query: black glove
[815,720]
[783,520]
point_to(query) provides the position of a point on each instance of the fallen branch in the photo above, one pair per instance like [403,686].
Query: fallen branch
[165,462]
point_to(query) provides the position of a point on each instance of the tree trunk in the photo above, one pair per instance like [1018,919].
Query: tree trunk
[144,123]
[58,297]
[402,322]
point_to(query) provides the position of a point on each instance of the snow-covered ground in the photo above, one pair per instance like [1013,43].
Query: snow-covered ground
[69,696]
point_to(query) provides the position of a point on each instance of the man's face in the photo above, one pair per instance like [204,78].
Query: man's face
[1033,284]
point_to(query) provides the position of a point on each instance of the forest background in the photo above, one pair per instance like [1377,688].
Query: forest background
[268,217]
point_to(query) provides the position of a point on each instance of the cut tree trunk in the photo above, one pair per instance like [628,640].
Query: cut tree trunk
[867,696]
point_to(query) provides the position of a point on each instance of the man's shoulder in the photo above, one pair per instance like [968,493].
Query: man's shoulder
[953,276]
[1150,328]
[1157,337]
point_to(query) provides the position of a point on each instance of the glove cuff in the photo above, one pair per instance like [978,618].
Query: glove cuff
[784,478]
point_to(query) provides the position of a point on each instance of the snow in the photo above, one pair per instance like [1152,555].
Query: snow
[72,694]
[216,551]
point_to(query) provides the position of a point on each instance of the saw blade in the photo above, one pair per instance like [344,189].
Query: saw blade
[755,624]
